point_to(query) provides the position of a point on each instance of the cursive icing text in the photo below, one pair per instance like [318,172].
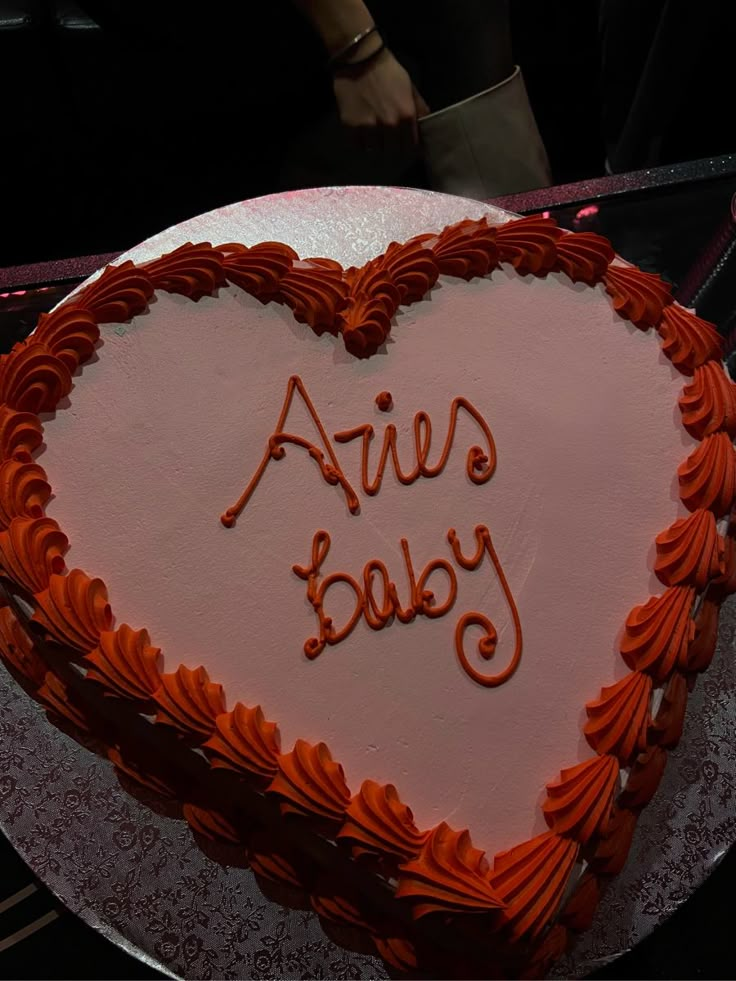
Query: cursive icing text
[375,598]
[480,460]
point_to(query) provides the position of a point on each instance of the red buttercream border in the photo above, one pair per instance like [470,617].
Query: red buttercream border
[73,609]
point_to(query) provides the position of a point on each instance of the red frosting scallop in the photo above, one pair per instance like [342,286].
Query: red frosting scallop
[330,903]
[529,244]
[687,340]
[189,701]
[31,551]
[398,952]
[191,270]
[20,434]
[614,843]
[33,379]
[18,650]
[126,664]
[463,250]
[69,333]
[143,780]
[578,804]
[257,270]
[667,726]
[61,705]
[551,947]
[245,742]
[657,634]
[311,783]
[364,325]
[74,610]
[617,721]
[531,878]
[690,552]
[583,257]
[377,822]
[448,876]
[315,293]
[708,404]
[638,296]
[643,779]
[121,292]
[708,476]
[24,491]
[411,267]
[703,646]
[211,824]
[581,906]
[374,281]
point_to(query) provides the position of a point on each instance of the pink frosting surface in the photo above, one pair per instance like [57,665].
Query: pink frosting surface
[165,429]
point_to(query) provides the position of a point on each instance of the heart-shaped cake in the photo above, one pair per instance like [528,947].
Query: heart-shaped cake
[432,546]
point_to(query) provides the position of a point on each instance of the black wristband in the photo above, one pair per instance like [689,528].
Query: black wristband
[353,69]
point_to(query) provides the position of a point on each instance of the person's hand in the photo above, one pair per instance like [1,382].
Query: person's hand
[380,105]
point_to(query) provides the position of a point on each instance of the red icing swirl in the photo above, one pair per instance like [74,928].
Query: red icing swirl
[364,325]
[531,878]
[617,721]
[121,292]
[376,821]
[529,244]
[257,270]
[581,906]
[614,842]
[276,861]
[448,876]
[315,292]
[192,270]
[32,379]
[667,726]
[24,491]
[690,552]
[464,250]
[657,634]
[189,702]
[583,257]
[550,948]
[638,296]
[687,340]
[17,648]
[396,951]
[211,824]
[20,434]
[643,779]
[245,742]
[31,551]
[708,404]
[703,646]
[330,903]
[708,476]
[69,333]
[724,584]
[578,804]
[411,268]
[143,780]
[74,610]
[60,705]
[310,783]
[126,664]
[372,280]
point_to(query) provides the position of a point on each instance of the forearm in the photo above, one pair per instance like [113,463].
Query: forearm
[336,21]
